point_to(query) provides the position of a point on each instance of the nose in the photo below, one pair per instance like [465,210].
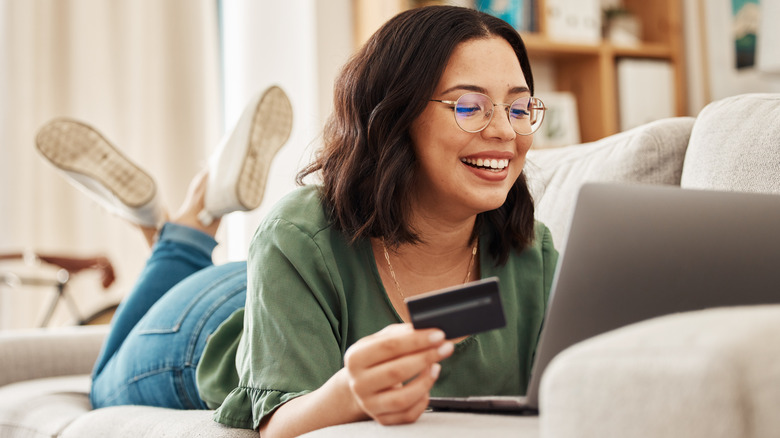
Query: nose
[499,126]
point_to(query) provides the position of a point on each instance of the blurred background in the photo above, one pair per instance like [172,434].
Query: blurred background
[165,79]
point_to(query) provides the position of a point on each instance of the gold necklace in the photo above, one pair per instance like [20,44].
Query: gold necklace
[395,280]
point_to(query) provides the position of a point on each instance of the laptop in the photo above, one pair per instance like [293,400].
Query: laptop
[636,252]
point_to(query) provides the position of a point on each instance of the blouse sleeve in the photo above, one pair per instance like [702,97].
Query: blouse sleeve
[291,341]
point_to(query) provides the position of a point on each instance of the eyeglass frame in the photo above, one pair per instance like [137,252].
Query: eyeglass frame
[506,106]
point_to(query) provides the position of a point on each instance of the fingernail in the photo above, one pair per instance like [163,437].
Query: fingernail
[436,337]
[435,369]
[446,349]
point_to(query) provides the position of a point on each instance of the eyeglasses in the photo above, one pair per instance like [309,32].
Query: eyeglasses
[474,111]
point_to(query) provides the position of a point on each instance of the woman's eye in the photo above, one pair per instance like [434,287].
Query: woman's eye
[466,111]
[518,113]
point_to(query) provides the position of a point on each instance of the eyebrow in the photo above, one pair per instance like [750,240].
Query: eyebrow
[478,89]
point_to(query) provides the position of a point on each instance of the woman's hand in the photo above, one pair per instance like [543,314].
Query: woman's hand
[387,376]
[391,372]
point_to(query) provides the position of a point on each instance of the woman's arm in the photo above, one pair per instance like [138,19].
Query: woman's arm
[387,376]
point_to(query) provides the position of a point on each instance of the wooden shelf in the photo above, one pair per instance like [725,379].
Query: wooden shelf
[589,71]
[540,45]
[645,50]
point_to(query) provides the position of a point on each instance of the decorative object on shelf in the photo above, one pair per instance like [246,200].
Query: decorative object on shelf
[574,20]
[621,27]
[518,13]
[561,126]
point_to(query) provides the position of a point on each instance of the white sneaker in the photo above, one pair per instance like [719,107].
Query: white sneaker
[95,166]
[238,169]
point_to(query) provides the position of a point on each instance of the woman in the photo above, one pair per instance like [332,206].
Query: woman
[421,188]
[407,196]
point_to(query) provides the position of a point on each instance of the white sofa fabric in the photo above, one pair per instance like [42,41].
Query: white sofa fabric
[706,374]
[735,146]
[718,382]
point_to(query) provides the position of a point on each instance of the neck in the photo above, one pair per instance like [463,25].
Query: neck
[411,269]
[442,233]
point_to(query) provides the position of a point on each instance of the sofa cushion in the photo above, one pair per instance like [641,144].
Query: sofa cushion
[60,407]
[709,373]
[146,421]
[48,352]
[43,407]
[439,425]
[651,153]
[735,145]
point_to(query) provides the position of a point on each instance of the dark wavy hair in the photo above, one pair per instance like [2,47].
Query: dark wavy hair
[367,163]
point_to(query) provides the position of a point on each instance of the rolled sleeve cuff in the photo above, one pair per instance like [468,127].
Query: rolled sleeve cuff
[247,407]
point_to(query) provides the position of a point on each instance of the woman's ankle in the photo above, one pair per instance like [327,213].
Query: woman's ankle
[193,205]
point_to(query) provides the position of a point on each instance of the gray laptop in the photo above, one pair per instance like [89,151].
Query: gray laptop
[637,251]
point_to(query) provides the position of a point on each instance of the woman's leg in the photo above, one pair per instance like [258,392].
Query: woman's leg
[179,252]
[156,363]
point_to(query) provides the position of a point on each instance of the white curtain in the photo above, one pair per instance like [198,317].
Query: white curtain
[143,72]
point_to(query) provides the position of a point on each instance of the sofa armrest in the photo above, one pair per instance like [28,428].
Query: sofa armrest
[37,353]
[709,373]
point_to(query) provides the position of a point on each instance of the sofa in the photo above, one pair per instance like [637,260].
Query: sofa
[707,373]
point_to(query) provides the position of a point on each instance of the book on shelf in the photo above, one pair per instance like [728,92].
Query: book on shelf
[645,91]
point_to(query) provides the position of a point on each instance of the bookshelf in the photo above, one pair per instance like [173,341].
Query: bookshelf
[586,70]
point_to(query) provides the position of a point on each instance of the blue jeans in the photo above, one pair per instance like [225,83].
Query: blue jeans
[160,330]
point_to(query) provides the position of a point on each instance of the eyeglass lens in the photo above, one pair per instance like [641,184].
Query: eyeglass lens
[473,112]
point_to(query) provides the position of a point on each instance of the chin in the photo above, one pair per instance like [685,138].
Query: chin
[492,201]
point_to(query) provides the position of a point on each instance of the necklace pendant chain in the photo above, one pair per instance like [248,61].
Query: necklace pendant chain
[392,272]
[395,279]
[471,261]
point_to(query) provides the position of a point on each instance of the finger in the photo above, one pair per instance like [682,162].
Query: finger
[405,399]
[403,327]
[389,344]
[402,369]
[406,417]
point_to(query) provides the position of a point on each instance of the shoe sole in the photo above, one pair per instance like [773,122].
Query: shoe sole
[271,127]
[76,147]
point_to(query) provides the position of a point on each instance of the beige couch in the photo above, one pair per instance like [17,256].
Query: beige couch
[711,373]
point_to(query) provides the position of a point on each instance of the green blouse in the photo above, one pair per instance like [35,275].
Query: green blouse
[311,295]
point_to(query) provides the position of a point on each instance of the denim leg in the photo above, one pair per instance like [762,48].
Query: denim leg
[156,364]
[179,252]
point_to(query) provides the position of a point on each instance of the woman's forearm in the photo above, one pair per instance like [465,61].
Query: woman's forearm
[329,405]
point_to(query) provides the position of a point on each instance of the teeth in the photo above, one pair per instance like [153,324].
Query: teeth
[487,163]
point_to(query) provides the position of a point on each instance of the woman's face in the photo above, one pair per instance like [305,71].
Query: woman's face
[448,180]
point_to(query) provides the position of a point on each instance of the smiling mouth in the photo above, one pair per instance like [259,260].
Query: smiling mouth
[486,164]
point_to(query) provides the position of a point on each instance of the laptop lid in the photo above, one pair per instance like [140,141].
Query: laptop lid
[637,251]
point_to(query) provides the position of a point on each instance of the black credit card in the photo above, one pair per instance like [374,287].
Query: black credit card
[460,310]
